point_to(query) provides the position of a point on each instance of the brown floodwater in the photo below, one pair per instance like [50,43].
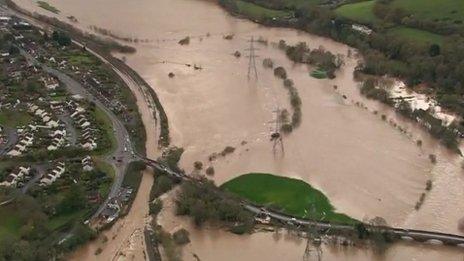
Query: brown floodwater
[364,165]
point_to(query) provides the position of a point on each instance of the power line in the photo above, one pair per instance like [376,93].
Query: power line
[252,60]
[276,136]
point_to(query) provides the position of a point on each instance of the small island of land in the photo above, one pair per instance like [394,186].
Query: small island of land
[291,196]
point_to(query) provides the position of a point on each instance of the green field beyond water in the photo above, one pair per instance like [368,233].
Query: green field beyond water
[291,196]
[360,12]
[441,10]
[418,36]
[259,12]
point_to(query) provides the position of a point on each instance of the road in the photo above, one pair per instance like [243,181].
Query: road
[70,130]
[12,139]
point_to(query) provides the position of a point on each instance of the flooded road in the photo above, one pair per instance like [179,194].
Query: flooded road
[365,166]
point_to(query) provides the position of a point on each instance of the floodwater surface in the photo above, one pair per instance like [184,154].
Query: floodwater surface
[365,166]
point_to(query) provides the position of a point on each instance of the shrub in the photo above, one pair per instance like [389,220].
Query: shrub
[280,72]
[288,83]
[433,158]
[203,203]
[210,171]
[268,63]
[428,185]
[181,237]
[185,41]
[198,165]
[287,128]
[161,185]
[155,207]
[227,150]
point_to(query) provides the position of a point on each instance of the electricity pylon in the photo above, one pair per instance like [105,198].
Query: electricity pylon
[252,60]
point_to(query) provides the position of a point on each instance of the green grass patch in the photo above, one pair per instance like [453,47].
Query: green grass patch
[108,142]
[105,167]
[81,59]
[258,12]
[48,7]
[61,220]
[416,35]
[318,74]
[292,196]
[10,224]
[435,10]
[361,12]
[14,119]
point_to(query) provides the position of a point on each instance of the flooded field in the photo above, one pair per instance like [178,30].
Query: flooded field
[365,166]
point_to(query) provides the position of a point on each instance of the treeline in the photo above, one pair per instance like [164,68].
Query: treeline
[295,101]
[204,203]
[319,57]
[448,135]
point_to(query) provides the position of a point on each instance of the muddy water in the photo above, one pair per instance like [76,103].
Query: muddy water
[364,165]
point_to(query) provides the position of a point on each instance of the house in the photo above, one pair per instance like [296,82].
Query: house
[18,37]
[85,124]
[14,153]
[52,147]
[50,83]
[53,175]
[39,112]
[89,144]
[13,178]
[87,164]
[27,141]
[5,19]
[33,108]
[46,119]
[53,124]
[361,29]
[58,132]
[56,105]
[20,147]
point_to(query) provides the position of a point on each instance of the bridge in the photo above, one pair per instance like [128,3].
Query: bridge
[422,236]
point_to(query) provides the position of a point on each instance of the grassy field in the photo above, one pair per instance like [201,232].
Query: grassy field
[292,196]
[318,74]
[109,142]
[443,10]
[416,35]
[61,220]
[81,59]
[14,119]
[360,12]
[48,7]
[105,167]
[9,223]
[258,12]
